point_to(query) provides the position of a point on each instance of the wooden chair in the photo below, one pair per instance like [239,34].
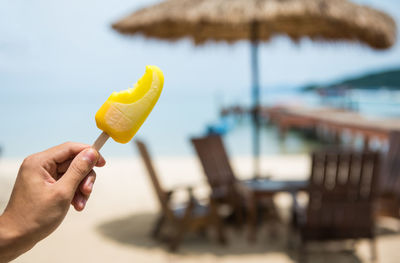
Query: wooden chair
[191,217]
[341,190]
[226,189]
[224,186]
[389,193]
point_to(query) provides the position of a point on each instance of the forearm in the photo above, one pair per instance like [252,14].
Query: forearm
[13,242]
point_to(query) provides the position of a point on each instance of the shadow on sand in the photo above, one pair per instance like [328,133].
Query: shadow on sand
[133,230]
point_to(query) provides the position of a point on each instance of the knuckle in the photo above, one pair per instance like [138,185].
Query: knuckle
[30,161]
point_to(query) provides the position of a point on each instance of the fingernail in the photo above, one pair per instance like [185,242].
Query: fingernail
[82,201]
[90,185]
[90,155]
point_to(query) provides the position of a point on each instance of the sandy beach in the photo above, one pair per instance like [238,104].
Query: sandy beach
[115,225]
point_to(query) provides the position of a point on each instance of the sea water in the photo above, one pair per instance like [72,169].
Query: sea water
[35,120]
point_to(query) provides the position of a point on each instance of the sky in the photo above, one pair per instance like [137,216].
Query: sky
[56,53]
[74,39]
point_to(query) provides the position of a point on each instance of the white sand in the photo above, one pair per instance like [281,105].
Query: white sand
[114,227]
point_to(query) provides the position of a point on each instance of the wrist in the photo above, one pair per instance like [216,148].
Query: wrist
[12,241]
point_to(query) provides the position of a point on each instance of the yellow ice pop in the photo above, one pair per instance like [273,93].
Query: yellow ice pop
[121,116]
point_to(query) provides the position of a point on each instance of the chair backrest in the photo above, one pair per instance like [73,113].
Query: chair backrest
[161,194]
[214,159]
[342,189]
[390,178]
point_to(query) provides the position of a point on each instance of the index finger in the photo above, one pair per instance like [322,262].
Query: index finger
[67,151]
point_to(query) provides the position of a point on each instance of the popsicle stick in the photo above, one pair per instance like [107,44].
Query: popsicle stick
[100,141]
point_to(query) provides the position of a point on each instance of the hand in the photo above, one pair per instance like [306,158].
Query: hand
[47,183]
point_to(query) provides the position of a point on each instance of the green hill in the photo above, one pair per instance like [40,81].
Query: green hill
[389,79]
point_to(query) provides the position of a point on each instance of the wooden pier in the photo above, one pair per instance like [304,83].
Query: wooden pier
[334,122]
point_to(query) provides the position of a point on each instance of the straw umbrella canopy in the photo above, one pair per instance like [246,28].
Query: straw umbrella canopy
[260,20]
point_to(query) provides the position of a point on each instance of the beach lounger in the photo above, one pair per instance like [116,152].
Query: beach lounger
[342,190]
[191,216]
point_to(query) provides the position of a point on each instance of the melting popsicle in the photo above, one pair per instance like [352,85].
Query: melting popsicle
[121,116]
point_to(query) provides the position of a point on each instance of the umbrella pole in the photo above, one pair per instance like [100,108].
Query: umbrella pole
[255,99]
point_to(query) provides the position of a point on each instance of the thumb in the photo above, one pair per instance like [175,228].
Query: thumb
[80,166]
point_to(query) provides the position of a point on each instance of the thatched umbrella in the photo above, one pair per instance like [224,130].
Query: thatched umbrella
[259,20]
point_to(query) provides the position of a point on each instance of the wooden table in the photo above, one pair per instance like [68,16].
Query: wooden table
[266,188]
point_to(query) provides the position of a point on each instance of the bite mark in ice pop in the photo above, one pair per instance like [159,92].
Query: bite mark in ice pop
[124,112]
